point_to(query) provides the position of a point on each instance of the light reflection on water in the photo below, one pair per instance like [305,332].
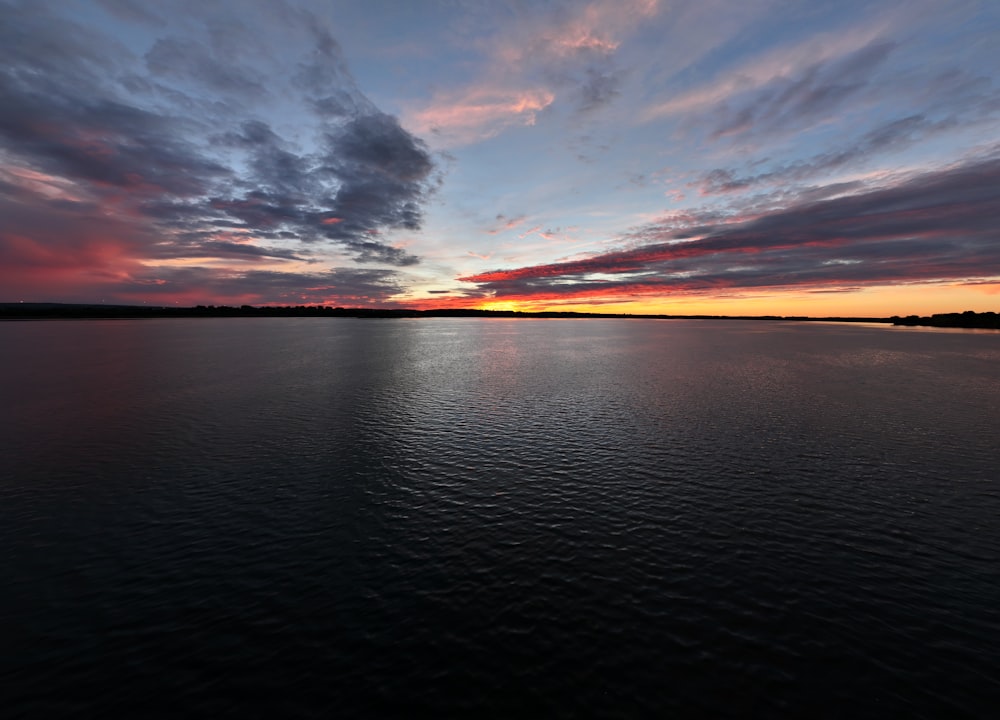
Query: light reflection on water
[288,517]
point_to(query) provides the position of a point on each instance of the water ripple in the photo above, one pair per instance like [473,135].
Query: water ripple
[457,517]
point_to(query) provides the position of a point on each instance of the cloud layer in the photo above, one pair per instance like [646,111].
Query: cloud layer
[116,160]
[938,225]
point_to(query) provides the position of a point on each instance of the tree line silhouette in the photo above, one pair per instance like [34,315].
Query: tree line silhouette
[967,319]
[67,311]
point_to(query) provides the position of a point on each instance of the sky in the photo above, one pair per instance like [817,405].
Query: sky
[806,157]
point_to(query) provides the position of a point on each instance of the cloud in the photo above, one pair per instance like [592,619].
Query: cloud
[962,101]
[874,71]
[102,142]
[575,49]
[893,135]
[325,77]
[342,286]
[936,225]
[195,62]
[542,56]
[238,251]
[506,223]
[369,176]
[801,99]
[132,11]
[78,251]
[599,88]
[782,69]
[478,113]
[66,246]
[184,152]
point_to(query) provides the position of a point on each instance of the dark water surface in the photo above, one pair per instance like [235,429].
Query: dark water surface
[561,518]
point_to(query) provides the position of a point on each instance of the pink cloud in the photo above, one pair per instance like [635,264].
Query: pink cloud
[478,113]
[507,223]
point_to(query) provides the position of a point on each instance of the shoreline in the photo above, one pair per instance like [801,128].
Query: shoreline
[69,311]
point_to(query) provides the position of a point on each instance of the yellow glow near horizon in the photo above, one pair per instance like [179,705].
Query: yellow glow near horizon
[505,305]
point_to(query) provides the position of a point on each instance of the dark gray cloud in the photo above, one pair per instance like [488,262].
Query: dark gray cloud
[195,62]
[381,170]
[102,142]
[229,250]
[325,68]
[369,177]
[51,55]
[135,11]
[599,87]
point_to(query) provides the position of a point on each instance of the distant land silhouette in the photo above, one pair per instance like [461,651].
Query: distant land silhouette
[968,319]
[69,311]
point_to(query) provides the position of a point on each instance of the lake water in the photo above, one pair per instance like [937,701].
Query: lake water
[504,518]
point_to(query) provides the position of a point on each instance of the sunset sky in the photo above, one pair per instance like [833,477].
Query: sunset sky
[814,157]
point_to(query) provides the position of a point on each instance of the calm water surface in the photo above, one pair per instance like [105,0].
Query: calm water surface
[563,518]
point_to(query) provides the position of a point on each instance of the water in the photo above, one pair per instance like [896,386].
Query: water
[563,518]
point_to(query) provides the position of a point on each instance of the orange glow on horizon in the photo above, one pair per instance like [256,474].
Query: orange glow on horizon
[875,301]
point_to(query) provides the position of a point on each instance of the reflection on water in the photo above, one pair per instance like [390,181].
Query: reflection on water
[295,516]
